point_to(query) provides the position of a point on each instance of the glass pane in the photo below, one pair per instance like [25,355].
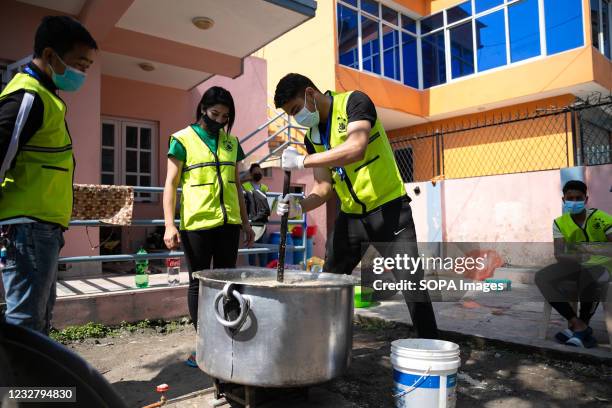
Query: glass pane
[351,2]
[605,15]
[524,30]
[391,53]
[434,64]
[595,22]
[491,41]
[108,179]
[482,5]
[563,25]
[131,136]
[108,134]
[370,48]
[145,181]
[370,6]
[408,24]
[131,161]
[409,56]
[108,160]
[347,37]
[462,50]
[431,23]
[390,15]
[145,138]
[145,162]
[131,180]
[459,12]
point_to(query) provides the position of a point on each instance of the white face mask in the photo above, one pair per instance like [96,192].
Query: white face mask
[307,118]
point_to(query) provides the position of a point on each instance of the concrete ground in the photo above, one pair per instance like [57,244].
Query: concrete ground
[490,376]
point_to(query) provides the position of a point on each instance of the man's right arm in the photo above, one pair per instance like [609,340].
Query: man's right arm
[31,109]
[321,190]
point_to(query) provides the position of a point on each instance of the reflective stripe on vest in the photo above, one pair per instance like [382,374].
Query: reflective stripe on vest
[248,186]
[210,197]
[594,230]
[370,182]
[40,185]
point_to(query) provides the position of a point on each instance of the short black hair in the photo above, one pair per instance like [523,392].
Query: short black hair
[254,166]
[217,95]
[575,185]
[290,86]
[62,33]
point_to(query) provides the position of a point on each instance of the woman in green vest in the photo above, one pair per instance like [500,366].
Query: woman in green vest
[202,160]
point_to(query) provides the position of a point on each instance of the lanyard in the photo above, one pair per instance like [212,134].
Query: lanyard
[325,139]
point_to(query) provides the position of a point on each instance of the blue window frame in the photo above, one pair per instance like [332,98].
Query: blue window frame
[434,63]
[370,45]
[482,5]
[524,30]
[491,41]
[462,50]
[459,12]
[432,23]
[410,60]
[408,24]
[370,6]
[347,37]
[391,53]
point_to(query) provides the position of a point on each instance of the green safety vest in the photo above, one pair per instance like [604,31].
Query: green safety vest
[40,185]
[370,182]
[248,186]
[594,231]
[210,197]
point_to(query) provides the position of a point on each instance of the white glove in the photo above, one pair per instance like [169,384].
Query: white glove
[291,159]
[289,204]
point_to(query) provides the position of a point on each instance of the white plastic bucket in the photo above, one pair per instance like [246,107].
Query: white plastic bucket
[425,373]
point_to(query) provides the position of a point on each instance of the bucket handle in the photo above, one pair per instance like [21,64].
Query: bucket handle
[228,290]
[415,385]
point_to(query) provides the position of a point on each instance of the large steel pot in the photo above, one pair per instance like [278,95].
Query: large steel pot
[255,331]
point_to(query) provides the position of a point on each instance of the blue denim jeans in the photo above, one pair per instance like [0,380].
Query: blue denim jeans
[31,287]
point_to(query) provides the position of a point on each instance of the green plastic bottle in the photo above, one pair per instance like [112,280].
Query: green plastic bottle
[142,271]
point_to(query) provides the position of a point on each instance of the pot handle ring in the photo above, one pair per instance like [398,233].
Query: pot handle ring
[228,291]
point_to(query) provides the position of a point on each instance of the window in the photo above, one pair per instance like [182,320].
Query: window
[606,11]
[563,25]
[434,63]
[405,162]
[390,15]
[347,37]
[370,45]
[595,14]
[524,30]
[460,12]
[409,60]
[391,53]
[483,5]
[128,154]
[462,50]
[408,24]
[370,6]
[491,41]
[432,23]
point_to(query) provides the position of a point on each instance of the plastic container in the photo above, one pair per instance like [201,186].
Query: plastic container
[363,297]
[425,373]
[142,271]
[173,265]
[275,240]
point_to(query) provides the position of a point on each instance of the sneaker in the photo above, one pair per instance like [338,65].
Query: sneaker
[564,335]
[191,361]
[581,338]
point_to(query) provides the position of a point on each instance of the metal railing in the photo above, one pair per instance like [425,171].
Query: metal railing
[256,249]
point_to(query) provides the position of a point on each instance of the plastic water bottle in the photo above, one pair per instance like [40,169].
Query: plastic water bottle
[142,271]
[3,257]
[173,265]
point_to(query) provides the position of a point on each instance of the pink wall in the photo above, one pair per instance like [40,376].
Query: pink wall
[250,97]
[599,181]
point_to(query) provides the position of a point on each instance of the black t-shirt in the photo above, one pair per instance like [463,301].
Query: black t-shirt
[358,107]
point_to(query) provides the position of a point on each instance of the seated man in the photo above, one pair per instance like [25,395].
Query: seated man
[577,263]
[257,207]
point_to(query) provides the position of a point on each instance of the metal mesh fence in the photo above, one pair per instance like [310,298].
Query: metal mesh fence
[542,140]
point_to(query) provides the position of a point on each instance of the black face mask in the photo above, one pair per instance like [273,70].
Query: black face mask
[212,125]
[257,177]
